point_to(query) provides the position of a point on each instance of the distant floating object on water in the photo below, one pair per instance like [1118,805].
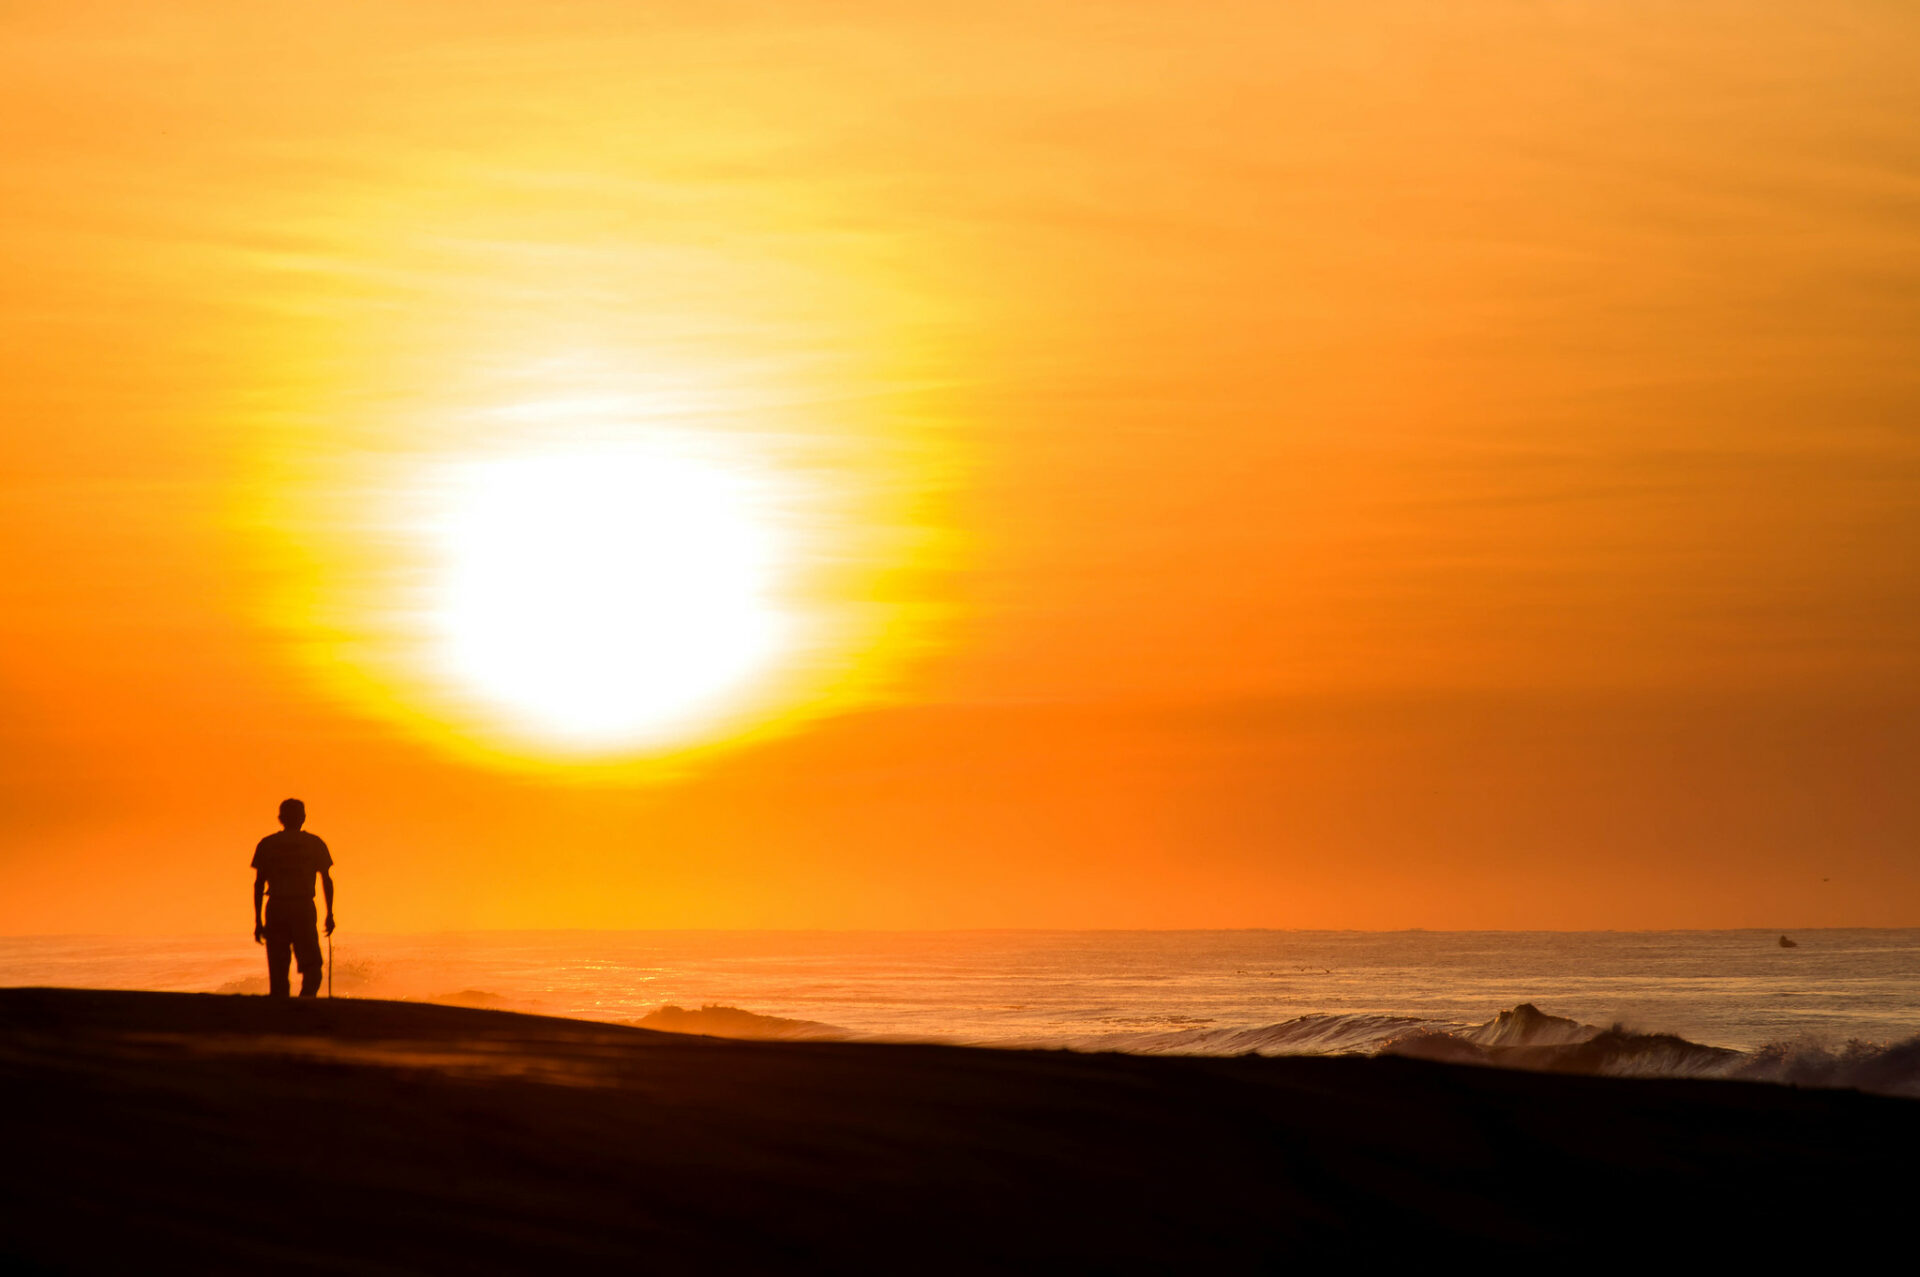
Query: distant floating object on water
[1788,944]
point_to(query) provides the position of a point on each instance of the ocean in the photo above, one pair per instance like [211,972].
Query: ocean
[1840,1007]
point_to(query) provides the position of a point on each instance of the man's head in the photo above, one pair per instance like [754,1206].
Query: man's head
[293,813]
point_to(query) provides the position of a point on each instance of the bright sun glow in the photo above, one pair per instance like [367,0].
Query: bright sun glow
[607,598]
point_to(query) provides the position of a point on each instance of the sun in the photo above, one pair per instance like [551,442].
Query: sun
[607,598]
[579,571]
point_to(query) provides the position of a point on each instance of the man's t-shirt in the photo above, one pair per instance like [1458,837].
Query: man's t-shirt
[290,860]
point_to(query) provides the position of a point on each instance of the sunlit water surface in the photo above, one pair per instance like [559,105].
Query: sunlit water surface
[1129,990]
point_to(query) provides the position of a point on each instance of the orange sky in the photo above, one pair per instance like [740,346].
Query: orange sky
[1315,465]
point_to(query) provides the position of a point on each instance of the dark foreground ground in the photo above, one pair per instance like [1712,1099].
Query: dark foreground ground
[175,1132]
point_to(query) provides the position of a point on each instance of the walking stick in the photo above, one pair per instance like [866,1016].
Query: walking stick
[329,964]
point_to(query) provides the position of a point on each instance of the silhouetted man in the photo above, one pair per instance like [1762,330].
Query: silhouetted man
[284,865]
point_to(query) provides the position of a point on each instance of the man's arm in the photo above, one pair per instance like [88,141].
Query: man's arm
[326,885]
[259,890]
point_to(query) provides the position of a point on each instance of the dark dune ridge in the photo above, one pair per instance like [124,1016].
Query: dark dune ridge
[214,1133]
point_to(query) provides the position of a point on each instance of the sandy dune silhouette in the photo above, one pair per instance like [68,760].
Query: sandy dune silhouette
[220,1133]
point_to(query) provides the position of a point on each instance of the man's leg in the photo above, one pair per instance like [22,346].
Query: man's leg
[306,949]
[279,953]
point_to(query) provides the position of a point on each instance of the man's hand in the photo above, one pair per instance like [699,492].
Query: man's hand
[329,922]
[260,933]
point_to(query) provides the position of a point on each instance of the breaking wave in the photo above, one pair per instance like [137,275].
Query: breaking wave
[1865,1066]
[1303,1035]
[732,1022]
[1529,1038]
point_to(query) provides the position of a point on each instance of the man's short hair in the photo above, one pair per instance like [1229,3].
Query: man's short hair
[291,810]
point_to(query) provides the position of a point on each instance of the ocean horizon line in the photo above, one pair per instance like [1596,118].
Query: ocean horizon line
[1775,929]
